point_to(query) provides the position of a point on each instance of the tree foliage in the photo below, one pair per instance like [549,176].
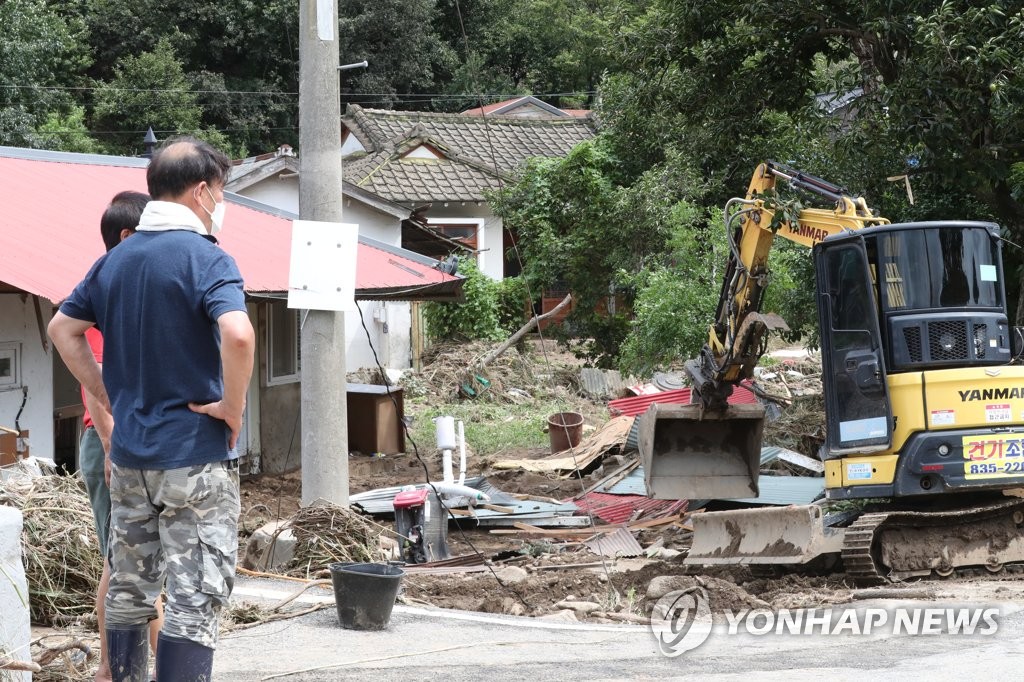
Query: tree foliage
[41,53]
[581,230]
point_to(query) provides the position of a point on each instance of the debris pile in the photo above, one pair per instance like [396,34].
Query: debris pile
[451,370]
[326,534]
[800,424]
[61,551]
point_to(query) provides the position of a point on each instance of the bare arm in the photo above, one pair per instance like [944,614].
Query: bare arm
[237,346]
[68,336]
[103,422]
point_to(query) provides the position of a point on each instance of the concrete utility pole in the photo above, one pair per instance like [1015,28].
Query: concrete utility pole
[324,405]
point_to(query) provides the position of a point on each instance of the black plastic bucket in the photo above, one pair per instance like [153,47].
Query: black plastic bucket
[365,594]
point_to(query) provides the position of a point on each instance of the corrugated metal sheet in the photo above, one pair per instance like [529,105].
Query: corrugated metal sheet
[380,502]
[633,484]
[600,384]
[621,508]
[50,229]
[637,405]
[785,490]
[619,543]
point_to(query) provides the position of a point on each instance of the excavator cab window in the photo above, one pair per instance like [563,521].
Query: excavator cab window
[940,268]
[856,395]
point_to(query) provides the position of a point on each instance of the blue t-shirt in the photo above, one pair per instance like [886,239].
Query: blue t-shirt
[156,299]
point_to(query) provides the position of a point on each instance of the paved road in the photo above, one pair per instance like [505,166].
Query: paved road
[423,644]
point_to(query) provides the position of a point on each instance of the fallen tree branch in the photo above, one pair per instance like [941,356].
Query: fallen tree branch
[514,339]
[295,595]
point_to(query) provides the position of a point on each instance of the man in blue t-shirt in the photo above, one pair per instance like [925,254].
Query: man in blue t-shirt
[179,347]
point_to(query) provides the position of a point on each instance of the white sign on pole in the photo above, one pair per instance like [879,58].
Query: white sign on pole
[325,19]
[322,269]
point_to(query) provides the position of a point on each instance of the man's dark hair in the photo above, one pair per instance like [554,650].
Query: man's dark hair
[181,162]
[122,214]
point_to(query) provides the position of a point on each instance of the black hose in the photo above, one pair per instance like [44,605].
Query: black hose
[24,399]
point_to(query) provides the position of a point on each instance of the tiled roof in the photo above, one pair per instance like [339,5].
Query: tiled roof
[416,180]
[475,152]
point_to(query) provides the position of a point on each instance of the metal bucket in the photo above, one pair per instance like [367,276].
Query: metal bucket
[691,453]
[565,429]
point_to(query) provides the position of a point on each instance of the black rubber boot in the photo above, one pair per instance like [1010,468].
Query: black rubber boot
[128,651]
[182,660]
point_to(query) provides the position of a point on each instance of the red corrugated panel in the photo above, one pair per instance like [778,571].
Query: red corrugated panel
[620,508]
[50,231]
[635,405]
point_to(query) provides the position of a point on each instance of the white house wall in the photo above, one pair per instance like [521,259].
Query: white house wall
[372,223]
[389,325]
[282,193]
[20,329]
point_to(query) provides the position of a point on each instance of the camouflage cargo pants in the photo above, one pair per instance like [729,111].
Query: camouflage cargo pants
[180,524]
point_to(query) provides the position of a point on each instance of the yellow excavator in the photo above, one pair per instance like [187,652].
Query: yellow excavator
[924,404]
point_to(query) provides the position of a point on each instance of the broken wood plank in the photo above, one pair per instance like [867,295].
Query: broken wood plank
[571,461]
[497,508]
[625,469]
[653,523]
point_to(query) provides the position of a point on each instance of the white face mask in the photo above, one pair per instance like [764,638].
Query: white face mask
[217,215]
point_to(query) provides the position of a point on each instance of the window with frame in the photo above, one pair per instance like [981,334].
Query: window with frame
[282,343]
[465,231]
[9,374]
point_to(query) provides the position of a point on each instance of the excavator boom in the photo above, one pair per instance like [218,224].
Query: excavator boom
[710,449]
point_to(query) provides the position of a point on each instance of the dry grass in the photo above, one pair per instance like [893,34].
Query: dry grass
[326,534]
[61,551]
[447,372]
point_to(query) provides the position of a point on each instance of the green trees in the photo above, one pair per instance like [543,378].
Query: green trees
[41,54]
[931,90]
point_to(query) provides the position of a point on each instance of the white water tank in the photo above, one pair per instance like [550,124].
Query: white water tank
[15,632]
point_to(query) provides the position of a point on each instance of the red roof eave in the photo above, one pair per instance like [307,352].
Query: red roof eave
[50,238]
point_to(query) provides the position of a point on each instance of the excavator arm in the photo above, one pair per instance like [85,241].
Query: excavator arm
[737,338]
[710,449]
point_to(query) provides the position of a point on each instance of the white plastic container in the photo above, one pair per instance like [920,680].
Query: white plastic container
[445,429]
[15,631]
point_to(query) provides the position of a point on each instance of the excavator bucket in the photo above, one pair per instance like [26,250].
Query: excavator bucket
[691,453]
[763,535]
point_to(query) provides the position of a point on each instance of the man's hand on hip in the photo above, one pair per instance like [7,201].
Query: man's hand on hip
[220,410]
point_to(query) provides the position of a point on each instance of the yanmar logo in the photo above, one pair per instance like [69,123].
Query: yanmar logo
[815,234]
[992,394]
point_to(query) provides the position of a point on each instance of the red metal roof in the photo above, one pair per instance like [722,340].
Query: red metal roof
[635,405]
[49,234]
[621,508]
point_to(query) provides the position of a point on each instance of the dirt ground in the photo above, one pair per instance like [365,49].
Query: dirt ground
[528,578]
[536,577]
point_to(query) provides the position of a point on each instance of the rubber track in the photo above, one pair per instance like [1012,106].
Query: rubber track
[859,545]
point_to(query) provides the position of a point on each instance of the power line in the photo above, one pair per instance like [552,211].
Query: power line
[43,133]
[423,95]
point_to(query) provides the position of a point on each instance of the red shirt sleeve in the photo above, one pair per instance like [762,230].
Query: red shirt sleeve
[95,339]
